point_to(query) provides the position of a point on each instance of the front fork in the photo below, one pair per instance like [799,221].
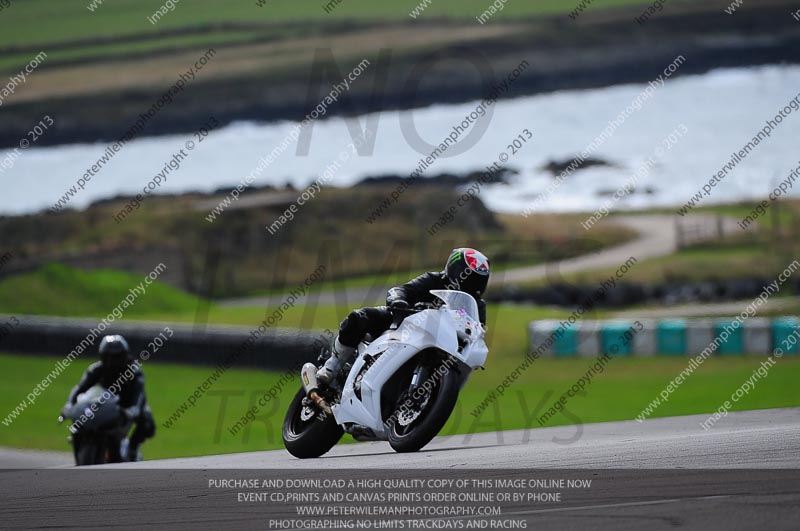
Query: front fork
[420,375]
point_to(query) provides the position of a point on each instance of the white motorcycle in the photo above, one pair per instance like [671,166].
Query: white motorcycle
[401,387]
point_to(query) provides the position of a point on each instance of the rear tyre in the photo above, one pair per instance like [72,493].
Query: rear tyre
[412,429]
[306,434]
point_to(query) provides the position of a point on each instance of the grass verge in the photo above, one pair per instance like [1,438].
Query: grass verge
[620,393]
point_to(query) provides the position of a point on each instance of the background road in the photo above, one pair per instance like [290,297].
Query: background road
[656,237]
[18,458]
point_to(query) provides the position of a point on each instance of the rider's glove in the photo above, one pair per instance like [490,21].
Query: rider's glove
[398,304]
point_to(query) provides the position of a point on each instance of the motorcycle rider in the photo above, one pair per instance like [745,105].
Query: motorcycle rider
[466,270]
[114,360]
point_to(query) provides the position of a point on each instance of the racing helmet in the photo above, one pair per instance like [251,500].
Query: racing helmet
[114,352]
[467,270]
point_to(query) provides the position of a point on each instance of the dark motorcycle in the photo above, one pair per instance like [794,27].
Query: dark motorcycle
[98,430]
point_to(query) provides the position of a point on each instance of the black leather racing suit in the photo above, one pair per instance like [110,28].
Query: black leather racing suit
[131,395]
[376,320]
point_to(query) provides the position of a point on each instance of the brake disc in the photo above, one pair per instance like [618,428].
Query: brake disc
[406,417]
[306,414]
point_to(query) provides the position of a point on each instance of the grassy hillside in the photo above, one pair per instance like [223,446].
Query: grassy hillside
[236,254]
[706,263]
[770,244]
[60,290]
[63,291]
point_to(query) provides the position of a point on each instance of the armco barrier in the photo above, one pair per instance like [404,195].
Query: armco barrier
[668,337]
[588,342]
[646,341]
[540,331]
[758,336]
[277,348]
[699,334]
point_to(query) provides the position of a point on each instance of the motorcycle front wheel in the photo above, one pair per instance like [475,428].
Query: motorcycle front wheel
[418,419]
[88,453]
[307,431]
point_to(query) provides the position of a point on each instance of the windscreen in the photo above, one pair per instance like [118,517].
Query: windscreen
[92,394]
[458,300]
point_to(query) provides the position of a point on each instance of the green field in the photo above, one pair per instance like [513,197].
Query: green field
[36,22]
[119,29]
[621,392]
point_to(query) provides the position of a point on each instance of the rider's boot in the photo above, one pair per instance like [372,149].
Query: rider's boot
[124,444]
[130,450]
[340,355]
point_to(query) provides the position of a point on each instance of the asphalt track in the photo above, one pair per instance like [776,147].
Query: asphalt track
[744,473]
[750,439]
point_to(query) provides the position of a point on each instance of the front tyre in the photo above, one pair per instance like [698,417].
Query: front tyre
[88,453]
[306,433]
[419,419]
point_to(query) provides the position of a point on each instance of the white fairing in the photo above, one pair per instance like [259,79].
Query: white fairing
[443,329]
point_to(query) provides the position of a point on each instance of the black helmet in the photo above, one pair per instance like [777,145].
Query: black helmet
[467,270]
[114,352]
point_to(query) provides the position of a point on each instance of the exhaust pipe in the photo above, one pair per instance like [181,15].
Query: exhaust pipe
[308,377]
